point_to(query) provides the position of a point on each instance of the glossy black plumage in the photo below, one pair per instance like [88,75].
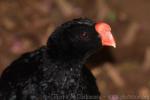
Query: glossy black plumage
[55,71]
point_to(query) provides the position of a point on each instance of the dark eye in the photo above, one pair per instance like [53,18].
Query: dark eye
[84,35]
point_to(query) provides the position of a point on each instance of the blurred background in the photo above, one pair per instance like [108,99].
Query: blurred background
[26,24]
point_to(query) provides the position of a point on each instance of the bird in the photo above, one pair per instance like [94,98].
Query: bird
[57,70]
[101,57]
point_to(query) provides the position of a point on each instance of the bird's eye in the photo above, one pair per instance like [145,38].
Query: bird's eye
[84,35]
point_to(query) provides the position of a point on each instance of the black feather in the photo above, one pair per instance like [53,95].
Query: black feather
[56,71]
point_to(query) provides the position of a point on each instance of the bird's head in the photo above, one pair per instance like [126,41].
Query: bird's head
[81,37]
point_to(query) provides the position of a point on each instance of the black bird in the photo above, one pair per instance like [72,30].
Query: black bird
[56,71]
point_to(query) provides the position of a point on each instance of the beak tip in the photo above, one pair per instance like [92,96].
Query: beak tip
[114,45]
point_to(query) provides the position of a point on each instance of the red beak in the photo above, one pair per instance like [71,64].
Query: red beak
[104,30]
